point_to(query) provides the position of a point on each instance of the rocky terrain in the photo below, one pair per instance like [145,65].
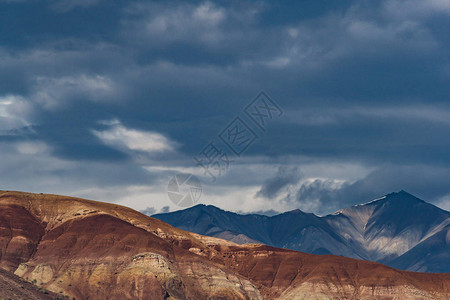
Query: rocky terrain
[94,250]
[14,287]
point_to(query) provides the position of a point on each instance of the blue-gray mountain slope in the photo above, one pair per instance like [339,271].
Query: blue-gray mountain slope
[398,229]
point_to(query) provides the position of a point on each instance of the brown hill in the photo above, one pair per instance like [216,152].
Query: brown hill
[95,250]
[14,287]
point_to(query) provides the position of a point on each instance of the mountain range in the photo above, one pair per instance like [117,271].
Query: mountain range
[399,230]
[84,249]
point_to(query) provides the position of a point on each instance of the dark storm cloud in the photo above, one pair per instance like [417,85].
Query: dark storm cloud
[284,177]
[393,134]
[358,81]
[427,183]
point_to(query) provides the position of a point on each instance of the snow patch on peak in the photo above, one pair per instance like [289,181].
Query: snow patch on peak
[372,201]
[343,211]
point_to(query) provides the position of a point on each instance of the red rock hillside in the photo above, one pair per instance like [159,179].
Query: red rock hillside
[94,250]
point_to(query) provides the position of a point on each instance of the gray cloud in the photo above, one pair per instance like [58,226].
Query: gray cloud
[285,176]
[268,213]
[164,210]
[149,211]
[360,82]
[325,196]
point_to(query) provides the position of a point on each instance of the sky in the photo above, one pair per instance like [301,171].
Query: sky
[108,100]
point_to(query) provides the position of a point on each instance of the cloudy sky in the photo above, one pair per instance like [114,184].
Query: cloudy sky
[108,100]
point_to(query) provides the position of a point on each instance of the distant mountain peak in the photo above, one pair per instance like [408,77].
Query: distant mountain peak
[370,202]
[383,230]
[294,211]
[203,207]
[57,235]
[403,198]
[402,195]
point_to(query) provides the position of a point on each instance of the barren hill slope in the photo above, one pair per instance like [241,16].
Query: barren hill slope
[95,250]
[14,287]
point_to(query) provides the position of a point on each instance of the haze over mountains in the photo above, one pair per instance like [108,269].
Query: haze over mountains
[399,230]
[94,250]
